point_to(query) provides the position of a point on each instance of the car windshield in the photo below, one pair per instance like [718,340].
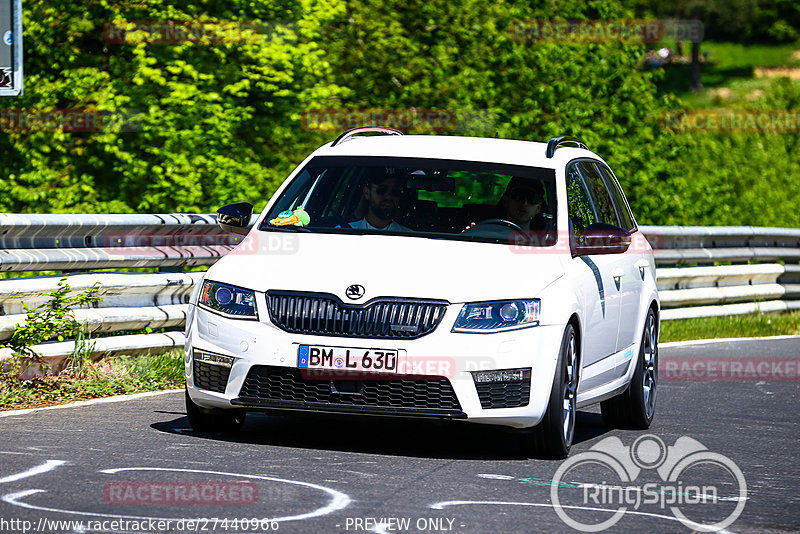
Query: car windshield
[434,198]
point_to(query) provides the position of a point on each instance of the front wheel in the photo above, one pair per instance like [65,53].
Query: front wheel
[212,420]
[636,406]
[552,437]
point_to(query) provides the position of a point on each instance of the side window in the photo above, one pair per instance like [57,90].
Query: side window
[579,204]
[625,215]
[606,213]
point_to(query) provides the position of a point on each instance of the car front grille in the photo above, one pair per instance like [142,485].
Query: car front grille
[326,315]
[504,394]
[211,377]
[399,393]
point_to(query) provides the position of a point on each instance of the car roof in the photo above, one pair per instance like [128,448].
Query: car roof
[483,149]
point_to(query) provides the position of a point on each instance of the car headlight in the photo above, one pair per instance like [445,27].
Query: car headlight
[489,317]
[228,300]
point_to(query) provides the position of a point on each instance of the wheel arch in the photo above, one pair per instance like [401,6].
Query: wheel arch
[656,309]
[575,321]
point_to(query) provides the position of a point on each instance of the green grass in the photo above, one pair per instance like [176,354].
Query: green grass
[728,76]
[133,374]
[28,274]
[726,56]
[111,376]
[756,325]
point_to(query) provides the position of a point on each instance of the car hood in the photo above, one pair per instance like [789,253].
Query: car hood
[389,266]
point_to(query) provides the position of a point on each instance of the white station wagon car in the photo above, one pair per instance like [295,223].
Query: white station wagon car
[487,280]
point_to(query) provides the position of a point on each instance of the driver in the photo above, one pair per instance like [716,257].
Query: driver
[382,194]
[522,203]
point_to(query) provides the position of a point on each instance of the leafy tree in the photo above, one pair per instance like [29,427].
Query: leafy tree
[212,121]
[435,54]
[741,21]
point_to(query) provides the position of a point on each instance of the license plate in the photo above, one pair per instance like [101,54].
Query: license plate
[348,359]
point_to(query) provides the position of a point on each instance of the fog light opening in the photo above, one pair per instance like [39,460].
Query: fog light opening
[213,359]
[503,375]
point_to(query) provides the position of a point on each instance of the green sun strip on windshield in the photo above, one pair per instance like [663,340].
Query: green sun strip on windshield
[470,188]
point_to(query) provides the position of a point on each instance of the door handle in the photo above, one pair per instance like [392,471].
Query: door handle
[617,273]
[642,265]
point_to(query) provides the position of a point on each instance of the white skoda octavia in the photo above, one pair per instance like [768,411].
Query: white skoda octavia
[486,280]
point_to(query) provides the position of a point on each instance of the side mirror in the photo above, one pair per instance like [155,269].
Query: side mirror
[235,217]
[600,239]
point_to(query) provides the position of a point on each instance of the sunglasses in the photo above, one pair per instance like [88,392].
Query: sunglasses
[383,189]
[521,195]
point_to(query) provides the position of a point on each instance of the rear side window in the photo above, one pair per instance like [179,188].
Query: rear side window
[604,205]
[623,209]
[582,213]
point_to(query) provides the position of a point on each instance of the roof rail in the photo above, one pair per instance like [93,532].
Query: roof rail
[557,142]
[365,129]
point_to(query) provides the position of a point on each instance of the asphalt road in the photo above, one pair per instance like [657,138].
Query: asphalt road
[313,474]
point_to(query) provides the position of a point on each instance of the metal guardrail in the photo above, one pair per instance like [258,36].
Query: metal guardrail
[737,244]
[83,242]
[133,301]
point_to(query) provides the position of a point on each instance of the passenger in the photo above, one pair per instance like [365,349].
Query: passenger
[382,194]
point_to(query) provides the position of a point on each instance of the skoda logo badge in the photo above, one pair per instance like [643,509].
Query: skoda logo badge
[355,291]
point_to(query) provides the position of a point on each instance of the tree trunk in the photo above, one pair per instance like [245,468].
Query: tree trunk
[695,82]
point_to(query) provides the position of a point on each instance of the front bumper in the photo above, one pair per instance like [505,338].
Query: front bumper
[442,360]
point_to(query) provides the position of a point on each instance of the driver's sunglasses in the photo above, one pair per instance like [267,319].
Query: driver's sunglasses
[384,189]
[521,195]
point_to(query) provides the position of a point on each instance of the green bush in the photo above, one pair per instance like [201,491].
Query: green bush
[54,319]
[220,122]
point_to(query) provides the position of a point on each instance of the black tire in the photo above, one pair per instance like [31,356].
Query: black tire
[210,420]
[635,407]
[552,437]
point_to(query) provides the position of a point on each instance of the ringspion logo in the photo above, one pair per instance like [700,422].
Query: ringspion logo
[704,490]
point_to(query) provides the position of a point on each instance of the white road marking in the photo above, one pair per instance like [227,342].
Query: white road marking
[380,528]
[116,398]
[721,340]
[49,465]
[760,386]
[337,502]
[443,504]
